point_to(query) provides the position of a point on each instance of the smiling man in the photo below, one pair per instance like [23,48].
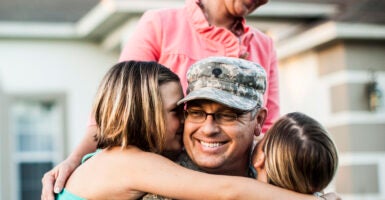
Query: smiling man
[224,112]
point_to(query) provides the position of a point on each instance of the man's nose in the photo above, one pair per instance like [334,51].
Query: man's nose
[210,126]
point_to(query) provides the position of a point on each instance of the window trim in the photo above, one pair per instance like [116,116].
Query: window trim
[10,169]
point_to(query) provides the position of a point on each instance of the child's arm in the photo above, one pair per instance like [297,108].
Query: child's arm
[158,175]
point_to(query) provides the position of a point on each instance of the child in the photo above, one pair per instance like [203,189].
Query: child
[133,102]
[297,154]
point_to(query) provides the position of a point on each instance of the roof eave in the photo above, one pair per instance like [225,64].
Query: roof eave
[328,32]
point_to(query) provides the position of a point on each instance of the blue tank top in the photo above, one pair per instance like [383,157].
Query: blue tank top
[65,194]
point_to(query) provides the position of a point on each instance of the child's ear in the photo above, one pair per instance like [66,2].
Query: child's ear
[259,161]
[259,165]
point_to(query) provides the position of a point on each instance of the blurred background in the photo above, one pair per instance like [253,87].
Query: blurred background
[53,53]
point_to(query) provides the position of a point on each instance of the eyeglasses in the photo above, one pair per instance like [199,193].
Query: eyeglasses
[199,116]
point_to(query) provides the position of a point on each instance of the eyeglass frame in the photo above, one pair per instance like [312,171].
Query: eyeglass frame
[218,115]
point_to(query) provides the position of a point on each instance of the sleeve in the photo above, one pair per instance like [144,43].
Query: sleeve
[272,102]
[145,42]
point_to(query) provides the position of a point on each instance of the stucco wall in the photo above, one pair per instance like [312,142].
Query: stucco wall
[73,68]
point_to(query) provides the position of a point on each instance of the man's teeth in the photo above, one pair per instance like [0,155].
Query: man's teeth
[211,145]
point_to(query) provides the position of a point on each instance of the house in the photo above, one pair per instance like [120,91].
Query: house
[54,53]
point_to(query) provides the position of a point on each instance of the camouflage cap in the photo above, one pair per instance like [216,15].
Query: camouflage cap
[234,82]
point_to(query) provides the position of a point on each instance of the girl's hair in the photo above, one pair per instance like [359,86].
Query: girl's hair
[128,108]
[299,154]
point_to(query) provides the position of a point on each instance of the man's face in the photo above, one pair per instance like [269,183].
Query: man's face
[220,148]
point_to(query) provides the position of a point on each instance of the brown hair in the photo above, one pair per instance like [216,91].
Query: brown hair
[299,154]
[128,108]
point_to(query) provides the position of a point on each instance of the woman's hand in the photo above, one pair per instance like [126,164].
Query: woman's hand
[54,180]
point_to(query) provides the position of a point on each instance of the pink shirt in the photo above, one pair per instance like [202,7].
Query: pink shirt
[177,38]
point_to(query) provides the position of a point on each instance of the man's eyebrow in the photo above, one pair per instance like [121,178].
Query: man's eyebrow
[199,102]
[193,105]
[221,109]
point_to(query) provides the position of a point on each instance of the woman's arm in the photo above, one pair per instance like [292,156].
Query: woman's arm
[143,44]
[158,175]
[272,101]
[55,179]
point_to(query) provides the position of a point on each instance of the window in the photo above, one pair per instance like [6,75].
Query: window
[36,132]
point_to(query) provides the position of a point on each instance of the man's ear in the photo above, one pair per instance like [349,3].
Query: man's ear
[258,130]
[261,116]
[260,119]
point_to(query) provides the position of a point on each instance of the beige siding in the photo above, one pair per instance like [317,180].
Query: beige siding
[358,179]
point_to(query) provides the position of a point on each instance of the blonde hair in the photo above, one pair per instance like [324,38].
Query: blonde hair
[299,154]
[128,108]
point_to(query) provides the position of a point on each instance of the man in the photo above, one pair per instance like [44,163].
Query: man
[224,111]
[223,114]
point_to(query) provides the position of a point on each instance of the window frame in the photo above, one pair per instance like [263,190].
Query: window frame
[14,158]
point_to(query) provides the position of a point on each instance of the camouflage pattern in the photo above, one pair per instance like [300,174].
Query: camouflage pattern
[234,82]
[182,160]
[154,197]
[186,161]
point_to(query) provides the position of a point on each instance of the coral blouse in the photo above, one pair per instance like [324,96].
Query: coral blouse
[178,37]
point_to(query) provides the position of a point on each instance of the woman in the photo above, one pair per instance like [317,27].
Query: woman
[138,120]
[179,37]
